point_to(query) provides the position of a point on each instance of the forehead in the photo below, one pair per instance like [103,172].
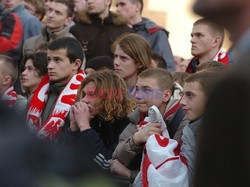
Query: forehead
[57,53]
[58,6]
[201,28]
[147,82]
[193,87]
[124,1]
[29,62]
[89,87]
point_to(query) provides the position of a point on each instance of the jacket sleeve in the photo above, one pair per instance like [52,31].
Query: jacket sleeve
[179,131]
[90,140]
[11,33]
[160,45]
[126,149]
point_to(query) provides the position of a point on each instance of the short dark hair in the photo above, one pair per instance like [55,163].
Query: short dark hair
[69,4]
[73,47]
[207,80]
[39,62]
[11,67]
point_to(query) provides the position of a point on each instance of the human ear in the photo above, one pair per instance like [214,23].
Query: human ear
[166,95]
[77,64]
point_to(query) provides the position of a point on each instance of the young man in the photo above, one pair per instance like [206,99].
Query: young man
[8,76]
[58,16]
[196,90]
[156,36]
[98,29]
[206,39]
[56,93]
[154,87]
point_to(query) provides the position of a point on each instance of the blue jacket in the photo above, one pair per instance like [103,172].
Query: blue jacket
[31,25]
[158,39]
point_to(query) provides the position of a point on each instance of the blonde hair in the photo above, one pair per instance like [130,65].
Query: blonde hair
[114,102]
[136,47]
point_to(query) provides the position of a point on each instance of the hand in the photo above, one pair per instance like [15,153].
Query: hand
[141,136]
[82,115]
[118,168]
[73,124]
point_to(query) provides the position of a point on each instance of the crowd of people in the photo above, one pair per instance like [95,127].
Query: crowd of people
[102,89]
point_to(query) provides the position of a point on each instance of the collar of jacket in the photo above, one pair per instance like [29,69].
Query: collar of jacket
[18,9]
[56,87]
[48,36]
[113,18]
[149,26]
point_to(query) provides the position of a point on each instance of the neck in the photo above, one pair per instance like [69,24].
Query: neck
[131,81]
[51,30]
[162,109]
[208,56]
[3,89]
[136,19]
[104,14]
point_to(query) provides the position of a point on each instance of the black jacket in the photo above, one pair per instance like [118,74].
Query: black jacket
[100,140]
[97,35]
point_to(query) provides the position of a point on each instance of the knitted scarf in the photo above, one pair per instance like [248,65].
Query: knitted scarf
[9,96]
[53,126]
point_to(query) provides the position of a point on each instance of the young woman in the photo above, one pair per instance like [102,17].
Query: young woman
[99,116]
[33,70]
[132,55]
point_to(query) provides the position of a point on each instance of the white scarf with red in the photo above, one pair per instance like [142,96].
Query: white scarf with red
[162,164]
[53,126]
[9,96]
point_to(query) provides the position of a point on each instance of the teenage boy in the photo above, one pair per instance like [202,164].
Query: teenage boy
[58,16]
[196,90]
[154,87]
[57,91]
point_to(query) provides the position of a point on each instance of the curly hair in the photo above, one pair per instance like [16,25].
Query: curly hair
[112,92]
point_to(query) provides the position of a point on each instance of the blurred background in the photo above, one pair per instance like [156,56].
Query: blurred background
[177,17]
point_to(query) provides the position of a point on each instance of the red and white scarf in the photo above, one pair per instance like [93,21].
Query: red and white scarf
[222,57]
[53,126]
[9,96]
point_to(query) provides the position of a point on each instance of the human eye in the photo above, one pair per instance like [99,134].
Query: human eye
[57,59]
[189,95]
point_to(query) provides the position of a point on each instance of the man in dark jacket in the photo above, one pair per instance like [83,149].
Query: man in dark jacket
[99,28]
[156,36]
